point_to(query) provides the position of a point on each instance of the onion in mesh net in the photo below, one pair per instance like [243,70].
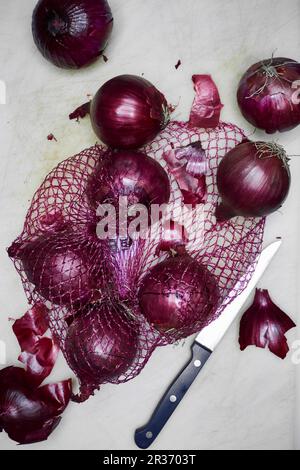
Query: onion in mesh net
[63,269]
[178,294]
[101,344]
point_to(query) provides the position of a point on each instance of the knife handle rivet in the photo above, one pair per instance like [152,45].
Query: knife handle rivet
[197,363]
[149,435]
[173,398]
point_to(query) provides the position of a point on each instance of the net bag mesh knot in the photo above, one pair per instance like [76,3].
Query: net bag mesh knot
[63,264]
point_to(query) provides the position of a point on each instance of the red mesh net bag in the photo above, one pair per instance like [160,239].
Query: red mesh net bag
[94,288]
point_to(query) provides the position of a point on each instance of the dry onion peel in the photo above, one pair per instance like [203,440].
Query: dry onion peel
[264,325]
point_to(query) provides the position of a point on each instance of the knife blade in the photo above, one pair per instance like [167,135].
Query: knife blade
[202,347]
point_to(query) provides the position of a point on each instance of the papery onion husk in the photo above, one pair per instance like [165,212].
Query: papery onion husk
[70,33]
[63,267]
[264,325]
[40,359]
[253,180]
[207,106]
[31,326]
[100,345]
[30,414]
[128,112]
[189,167]
[177,293]
[123,180]
[268,94]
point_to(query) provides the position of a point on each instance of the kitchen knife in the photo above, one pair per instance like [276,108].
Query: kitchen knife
[202,347]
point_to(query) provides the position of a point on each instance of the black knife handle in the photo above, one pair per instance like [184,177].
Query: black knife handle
[145,435]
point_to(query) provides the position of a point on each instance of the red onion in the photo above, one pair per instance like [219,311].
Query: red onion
[264,325]
[70,33]
[177,293]
[128,111]
[101,343]
[63,269]
[53,222]
[132,174]
[31,326]
[253,180]
[189,166]
[174,238]
[268,96]
[30,414]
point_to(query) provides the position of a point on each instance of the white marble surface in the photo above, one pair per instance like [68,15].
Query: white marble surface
[241,400]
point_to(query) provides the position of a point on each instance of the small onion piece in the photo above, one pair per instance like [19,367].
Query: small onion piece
[177,293]
[132,174]
[269,94]
[101,345]
[69,33]
[128,112]
[253,180]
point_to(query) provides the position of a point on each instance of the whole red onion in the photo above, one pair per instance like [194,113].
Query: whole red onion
[63,269]
[177,293]
[268,94]
[71,33]
[132,174]
[101,343]
[253,180]
[128,111]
